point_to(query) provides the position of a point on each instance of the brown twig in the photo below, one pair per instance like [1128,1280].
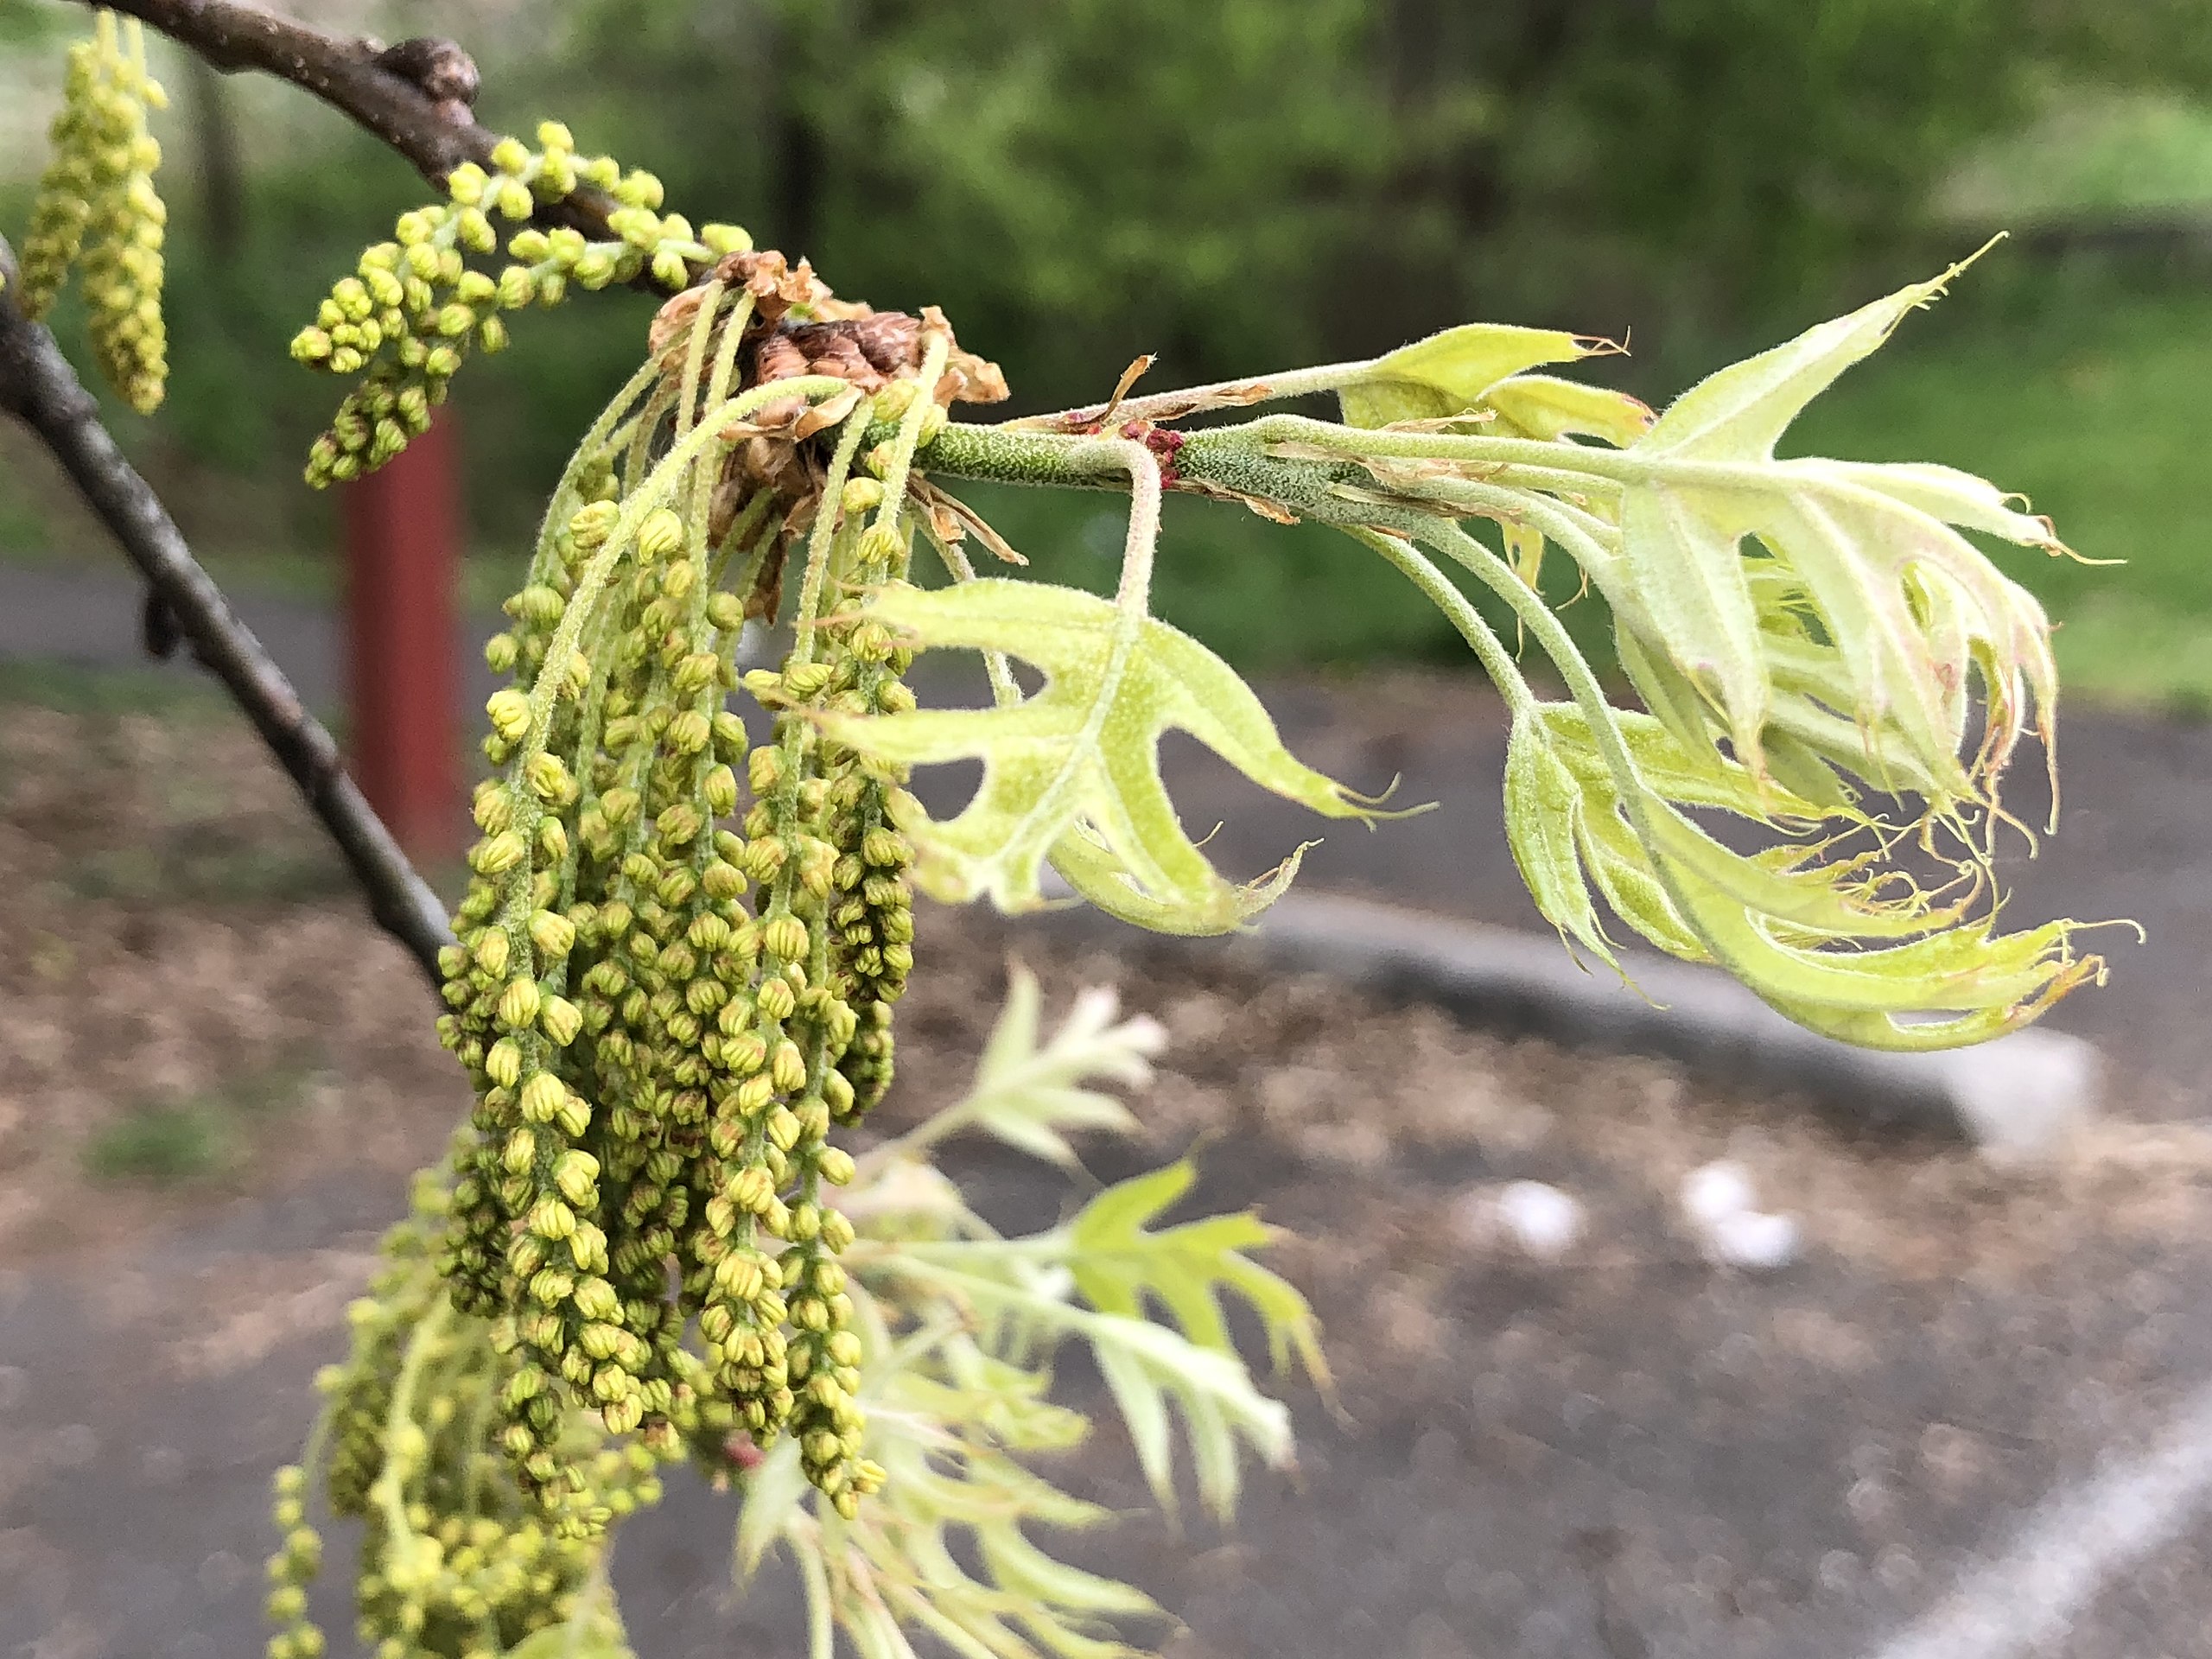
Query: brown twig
[416,96]
[37,384]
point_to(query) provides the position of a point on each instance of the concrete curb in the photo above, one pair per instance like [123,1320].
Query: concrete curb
[2017,1098]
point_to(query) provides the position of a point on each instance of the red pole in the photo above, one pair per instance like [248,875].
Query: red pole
[403,564]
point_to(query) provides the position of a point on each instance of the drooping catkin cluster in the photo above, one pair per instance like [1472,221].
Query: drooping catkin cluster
[415,307]
[454,1561]
[97,206]
[679,950]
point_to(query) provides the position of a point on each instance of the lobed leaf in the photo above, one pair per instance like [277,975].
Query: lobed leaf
[1838,943]
[1118,1264]
[1910,611]
[1072,775]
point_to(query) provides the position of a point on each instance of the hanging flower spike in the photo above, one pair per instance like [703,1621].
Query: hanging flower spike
[415,307]
[97,206]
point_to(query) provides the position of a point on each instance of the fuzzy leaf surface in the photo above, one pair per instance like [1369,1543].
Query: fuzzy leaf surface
[1912,611]
[1079,761]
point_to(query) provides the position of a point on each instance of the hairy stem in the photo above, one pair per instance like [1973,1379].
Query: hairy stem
[1190,400]
[37,384]
[1489,650]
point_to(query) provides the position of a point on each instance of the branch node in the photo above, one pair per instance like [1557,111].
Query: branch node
[439,68]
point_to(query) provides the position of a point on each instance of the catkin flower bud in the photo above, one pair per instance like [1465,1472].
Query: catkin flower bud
[576,1172]
[510,713]
[541,1098]
[492,947]
[561,1020]
[518,1004]
[590,526]
[880,544]
[776,999]
[785,936]
[553,935]
[500,853]
[787,1067]
[689,733]
[660,535]
[503,1063]
[549,780]
[719,790]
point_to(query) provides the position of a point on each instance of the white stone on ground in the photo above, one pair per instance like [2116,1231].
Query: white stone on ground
[1542,1220]
[1721,1206]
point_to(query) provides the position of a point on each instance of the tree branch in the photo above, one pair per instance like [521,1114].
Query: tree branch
[415,97]
[37,384]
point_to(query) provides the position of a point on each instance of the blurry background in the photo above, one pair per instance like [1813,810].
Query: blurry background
[215,1073]
[1244,184]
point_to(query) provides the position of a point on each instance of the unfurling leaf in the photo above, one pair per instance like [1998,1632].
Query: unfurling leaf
[1840,943]
[1910,611]
[948,1480]
[1072,773]
[1544,407]
[1031,1096]
[1447,373]
[1117,1264]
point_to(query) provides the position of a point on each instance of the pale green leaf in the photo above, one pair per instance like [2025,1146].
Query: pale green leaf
[1690,581]
[953,1497]
[1543,830]
[1909,610]
[774,1491]
[1083,752]
[1447,373]
[1838,943]
[1118,1261]
[1146,1366]
[1543,406]
[1091,868]
[1740,412]
[1033,1097]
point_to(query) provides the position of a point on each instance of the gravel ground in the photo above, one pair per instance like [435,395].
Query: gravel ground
[1618,1448]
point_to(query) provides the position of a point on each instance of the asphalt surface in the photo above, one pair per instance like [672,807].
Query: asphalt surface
[1645,1458]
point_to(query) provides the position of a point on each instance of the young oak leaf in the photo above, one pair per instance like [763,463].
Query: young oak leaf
[1071,774]
[1837,947]
[1032,1095]
[901,1561]
[1546,408]
[1117,1263]
[1912,609]
[1447,373]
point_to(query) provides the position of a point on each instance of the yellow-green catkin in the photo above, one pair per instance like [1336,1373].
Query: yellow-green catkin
[454,1558]
[662,960]
[97,206]
[871,902]
[416,307]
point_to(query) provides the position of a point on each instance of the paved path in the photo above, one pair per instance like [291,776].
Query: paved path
[131,1483]
[2135,841]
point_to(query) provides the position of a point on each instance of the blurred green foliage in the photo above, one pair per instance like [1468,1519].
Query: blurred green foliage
[172,1143]
[1234,186]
